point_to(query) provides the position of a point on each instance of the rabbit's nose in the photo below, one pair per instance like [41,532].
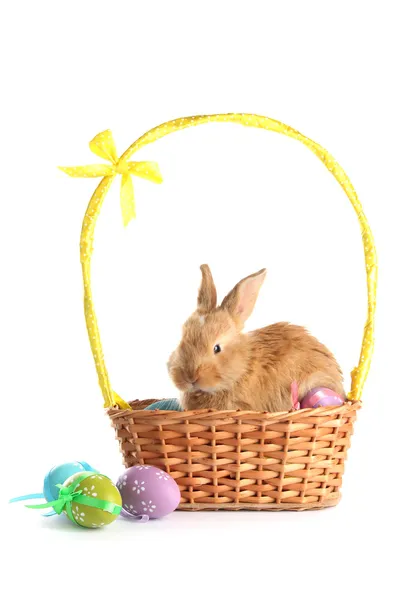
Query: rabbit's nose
[193,378]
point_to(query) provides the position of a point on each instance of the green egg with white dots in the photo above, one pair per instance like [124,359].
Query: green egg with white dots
[99,488]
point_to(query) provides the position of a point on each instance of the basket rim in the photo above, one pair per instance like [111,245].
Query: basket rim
[294,415]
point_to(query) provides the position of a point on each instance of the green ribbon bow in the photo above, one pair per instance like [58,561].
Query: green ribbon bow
[68,495]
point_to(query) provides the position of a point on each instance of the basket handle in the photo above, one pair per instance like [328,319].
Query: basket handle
[103,146]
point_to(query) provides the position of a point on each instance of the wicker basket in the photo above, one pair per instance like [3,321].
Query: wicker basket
[237,459]
[228,459]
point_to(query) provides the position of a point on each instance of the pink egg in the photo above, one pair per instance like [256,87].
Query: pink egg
[321,396]
[148,492]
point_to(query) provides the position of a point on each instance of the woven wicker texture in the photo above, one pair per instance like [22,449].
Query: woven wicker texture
[242,460]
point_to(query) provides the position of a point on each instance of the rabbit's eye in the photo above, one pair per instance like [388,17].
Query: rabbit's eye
[217,349]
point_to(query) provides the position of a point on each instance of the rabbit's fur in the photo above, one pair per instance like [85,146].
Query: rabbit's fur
[217,366]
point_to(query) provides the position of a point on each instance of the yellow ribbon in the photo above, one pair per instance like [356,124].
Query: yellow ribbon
[103,145]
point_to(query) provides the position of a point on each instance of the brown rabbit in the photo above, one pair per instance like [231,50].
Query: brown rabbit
[218,366]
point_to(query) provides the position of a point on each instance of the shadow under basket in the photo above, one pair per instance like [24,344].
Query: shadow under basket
[236,460]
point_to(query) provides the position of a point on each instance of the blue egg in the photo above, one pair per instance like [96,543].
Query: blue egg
[58,475]
[171,404]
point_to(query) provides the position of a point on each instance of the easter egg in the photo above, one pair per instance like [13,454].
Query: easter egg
[321,396]
[148,491]
[57,475]
[97,487]
[171,404]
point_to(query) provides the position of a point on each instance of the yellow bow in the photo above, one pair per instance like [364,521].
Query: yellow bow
[103,145]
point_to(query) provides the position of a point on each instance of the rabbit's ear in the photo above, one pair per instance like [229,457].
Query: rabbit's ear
[241,300]
[207,298]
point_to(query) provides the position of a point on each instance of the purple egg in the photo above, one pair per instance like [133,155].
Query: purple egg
[148,492]
[321,396]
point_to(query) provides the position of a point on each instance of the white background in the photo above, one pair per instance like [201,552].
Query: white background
[239,199]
